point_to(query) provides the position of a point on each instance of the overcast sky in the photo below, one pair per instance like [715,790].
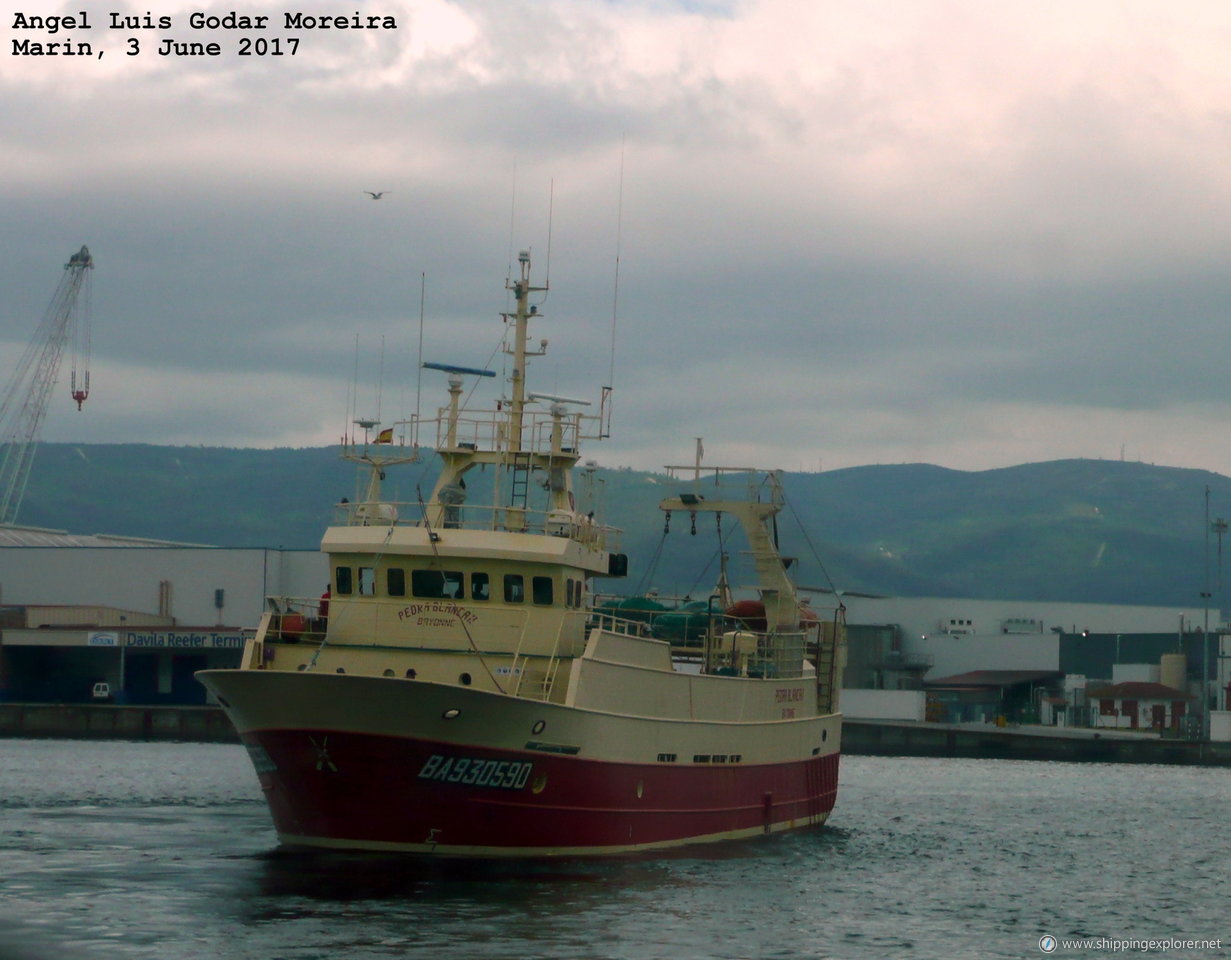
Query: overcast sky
[963,232]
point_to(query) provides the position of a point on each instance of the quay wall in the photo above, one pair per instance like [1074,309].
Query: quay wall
[983,741]
[859,736]
[78,721]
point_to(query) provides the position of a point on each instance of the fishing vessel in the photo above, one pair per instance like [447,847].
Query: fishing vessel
[459,693]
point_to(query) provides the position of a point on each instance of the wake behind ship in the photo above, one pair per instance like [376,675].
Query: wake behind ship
[461,693]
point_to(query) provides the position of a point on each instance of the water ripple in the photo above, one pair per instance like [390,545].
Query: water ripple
[122,850]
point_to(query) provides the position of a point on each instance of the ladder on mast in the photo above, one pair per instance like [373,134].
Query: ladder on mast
[519,488]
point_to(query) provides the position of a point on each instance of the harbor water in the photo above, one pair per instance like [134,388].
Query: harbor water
[165,850]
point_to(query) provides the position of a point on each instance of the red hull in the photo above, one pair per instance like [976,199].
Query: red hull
[355,790]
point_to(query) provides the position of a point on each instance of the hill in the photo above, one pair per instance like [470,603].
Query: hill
[1078,530]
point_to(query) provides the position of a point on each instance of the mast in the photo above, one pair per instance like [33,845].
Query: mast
[777,591]
[516,436]
[521,326]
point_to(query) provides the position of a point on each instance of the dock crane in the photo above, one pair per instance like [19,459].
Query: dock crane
[25,398]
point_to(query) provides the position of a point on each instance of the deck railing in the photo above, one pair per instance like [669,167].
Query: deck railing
[488,430]
[581,528]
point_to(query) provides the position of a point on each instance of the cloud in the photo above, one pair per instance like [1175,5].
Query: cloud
[963,232]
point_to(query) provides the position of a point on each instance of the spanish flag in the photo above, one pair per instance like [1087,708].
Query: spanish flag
[385,436]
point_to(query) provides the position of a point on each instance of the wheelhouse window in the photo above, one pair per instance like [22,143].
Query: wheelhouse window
[514,588]
[480,588]
[395,582]
[342,583]
[437,584]
[367,581]
[543,590]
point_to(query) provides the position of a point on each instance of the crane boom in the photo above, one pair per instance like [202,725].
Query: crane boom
[25,398]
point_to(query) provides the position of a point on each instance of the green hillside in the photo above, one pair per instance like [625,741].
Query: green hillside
[1080,530]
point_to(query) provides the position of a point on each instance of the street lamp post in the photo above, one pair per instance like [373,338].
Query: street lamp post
[121,696]
[1219,526]
[1205,602]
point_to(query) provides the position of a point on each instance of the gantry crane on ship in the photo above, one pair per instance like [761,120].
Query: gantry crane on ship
[25,398]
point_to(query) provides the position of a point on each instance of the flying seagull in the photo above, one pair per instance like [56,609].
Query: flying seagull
[377,196]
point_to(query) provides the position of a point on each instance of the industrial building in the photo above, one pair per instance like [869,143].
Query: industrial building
[963,660]
[141,617]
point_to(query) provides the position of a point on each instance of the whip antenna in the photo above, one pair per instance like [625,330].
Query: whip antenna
[380,377]
[604,413]
[352,393]
[512,223]
[551,205]
[419,380]
[615,293]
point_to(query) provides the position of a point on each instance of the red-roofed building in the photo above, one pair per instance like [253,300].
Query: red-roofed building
[1138,705]
[987,694]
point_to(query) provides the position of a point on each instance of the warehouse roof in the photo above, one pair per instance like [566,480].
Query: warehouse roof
[992,678]
[1138,690]
[15,536]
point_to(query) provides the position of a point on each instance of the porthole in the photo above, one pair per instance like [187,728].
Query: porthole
[540,783]
[538,727]
[411,673]
[824,735]
[464,679]
[302,667]
[640,788]
[341,669]
[387,673]
[451,714]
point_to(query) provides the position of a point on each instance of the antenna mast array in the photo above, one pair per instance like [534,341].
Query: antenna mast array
[25,398]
